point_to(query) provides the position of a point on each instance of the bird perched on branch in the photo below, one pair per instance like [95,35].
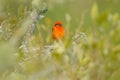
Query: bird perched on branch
[58,31]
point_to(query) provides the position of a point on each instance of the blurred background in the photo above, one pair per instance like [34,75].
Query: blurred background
[91,47]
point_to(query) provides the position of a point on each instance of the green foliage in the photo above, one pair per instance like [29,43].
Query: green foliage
[94,12]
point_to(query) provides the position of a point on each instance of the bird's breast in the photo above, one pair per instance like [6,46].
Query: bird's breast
[58,32]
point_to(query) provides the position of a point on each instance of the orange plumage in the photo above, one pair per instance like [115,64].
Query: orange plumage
[58,31]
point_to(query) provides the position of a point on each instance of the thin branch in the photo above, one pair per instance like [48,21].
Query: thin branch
[36,15]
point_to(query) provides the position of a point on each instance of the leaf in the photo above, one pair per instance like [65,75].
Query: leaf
[94,12]
[115,18]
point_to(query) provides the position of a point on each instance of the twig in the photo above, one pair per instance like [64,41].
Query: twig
[36,15]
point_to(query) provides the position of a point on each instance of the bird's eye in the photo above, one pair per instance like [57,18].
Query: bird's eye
[58,24]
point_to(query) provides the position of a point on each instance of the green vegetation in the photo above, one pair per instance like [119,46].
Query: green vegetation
[90,49]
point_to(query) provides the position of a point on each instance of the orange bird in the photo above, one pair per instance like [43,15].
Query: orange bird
[58,31]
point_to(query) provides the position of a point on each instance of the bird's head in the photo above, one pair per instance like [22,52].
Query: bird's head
[58,23]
